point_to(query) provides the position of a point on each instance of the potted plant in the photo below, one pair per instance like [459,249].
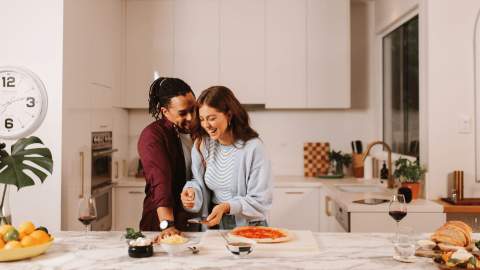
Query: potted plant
[338,161]
[13,167]
[409,174]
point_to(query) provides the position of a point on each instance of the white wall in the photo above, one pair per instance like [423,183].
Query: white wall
[285,131]
[32,33]
[446,85]
[450,92]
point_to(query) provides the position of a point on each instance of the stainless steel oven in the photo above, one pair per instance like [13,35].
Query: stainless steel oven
[103,201]
[102,152]
[101,188]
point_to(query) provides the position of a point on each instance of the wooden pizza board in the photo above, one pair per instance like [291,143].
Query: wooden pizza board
[302,242]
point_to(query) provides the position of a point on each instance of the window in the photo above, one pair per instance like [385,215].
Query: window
[400,89]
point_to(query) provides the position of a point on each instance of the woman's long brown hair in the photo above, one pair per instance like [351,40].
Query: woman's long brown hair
[223,100]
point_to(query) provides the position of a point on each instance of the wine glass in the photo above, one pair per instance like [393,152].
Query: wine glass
[397,209]
[87,213]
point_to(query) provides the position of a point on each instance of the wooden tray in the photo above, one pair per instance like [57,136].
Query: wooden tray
[464,201]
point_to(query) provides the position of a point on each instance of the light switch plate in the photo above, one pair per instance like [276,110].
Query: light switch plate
[464,124]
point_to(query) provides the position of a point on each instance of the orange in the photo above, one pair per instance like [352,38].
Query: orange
[12,245]
[1,243]
[26,227]
[28,241]
[40,236]
[21,235]
[4,228]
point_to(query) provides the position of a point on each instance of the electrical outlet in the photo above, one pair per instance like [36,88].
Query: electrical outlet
[464,124]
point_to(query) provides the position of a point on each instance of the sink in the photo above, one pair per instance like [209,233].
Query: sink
[360,188]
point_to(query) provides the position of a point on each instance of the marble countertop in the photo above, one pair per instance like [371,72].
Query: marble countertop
[336,251]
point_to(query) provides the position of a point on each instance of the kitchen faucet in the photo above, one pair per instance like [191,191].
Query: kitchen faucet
[390,181]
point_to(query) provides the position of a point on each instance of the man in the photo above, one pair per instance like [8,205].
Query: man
[164,148]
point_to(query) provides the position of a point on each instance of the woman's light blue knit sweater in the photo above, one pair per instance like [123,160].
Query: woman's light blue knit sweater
[252,187]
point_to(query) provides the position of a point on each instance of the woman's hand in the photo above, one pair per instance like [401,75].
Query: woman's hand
[188,198]
[217,214]
[165,233]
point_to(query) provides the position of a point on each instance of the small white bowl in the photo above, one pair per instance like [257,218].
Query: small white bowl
[240,247]
[173,249]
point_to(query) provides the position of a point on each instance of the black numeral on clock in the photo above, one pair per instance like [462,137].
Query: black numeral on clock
[30,102]
[8,81]
[9,123]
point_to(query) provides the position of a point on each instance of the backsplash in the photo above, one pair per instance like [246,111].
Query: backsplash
[285,131]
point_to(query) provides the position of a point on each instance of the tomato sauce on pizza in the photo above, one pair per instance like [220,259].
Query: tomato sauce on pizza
[256,232]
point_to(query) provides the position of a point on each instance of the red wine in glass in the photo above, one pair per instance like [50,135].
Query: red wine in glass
[86,220]
[397,215]
[397,209]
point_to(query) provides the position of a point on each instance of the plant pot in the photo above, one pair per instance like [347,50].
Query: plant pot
[414,187]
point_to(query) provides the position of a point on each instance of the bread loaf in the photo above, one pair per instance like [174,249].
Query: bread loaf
[453,233]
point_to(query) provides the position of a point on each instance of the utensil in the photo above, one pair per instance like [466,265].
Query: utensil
[226,239]
[200,220]
[359,146]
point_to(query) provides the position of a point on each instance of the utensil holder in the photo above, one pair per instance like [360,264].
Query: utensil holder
[357,165]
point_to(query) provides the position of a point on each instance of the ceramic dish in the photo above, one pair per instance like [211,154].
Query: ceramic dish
[24,253]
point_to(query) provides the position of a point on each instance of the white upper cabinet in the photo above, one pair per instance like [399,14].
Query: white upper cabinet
[285,53]
[242,49]
[149,47]
[196,53]
[328,54]
[281,53]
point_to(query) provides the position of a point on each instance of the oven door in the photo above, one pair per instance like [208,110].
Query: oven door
[103,201]
[101,167]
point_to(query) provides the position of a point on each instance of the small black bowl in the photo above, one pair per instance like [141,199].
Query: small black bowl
[140,251]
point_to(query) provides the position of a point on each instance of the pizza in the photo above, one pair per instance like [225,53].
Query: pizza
[262,234]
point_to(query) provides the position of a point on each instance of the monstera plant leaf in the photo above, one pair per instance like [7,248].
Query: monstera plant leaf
[12,166]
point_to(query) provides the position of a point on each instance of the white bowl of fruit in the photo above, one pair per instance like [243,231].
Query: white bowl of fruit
[23,242]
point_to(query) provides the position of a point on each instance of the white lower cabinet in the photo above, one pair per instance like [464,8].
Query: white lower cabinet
[296,208]
[128,202]
[328,223]
[382,222]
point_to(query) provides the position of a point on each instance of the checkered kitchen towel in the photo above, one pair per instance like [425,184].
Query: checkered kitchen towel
[315,158]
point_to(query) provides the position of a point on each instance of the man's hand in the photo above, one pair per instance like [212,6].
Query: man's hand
[165,233]
[188,198]
[217,213]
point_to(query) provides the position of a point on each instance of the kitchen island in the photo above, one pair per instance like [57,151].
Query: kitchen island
[336,251]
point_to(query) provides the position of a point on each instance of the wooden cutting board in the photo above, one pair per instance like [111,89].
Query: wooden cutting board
[302,242]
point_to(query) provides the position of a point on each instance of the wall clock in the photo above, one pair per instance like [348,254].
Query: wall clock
[23,102]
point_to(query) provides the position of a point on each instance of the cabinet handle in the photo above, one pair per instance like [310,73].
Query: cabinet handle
[294,192]
[103,126]
[116,169]
[124,164]
[82,172]
[135,192]
[327,206]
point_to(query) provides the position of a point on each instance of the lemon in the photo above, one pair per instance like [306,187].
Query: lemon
[11,235]
[27,227]
[4,228]
[40,236]
[28,241]
[12,245]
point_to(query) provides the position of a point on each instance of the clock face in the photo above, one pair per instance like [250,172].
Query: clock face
[23,102]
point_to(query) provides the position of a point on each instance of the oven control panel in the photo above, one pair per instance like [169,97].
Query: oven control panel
[101,140]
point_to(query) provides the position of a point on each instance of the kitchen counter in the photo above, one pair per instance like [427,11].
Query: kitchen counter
[130,182]
[344,198]
[337,251]
[451,208]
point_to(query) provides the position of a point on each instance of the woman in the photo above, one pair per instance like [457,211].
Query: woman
[231,172]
